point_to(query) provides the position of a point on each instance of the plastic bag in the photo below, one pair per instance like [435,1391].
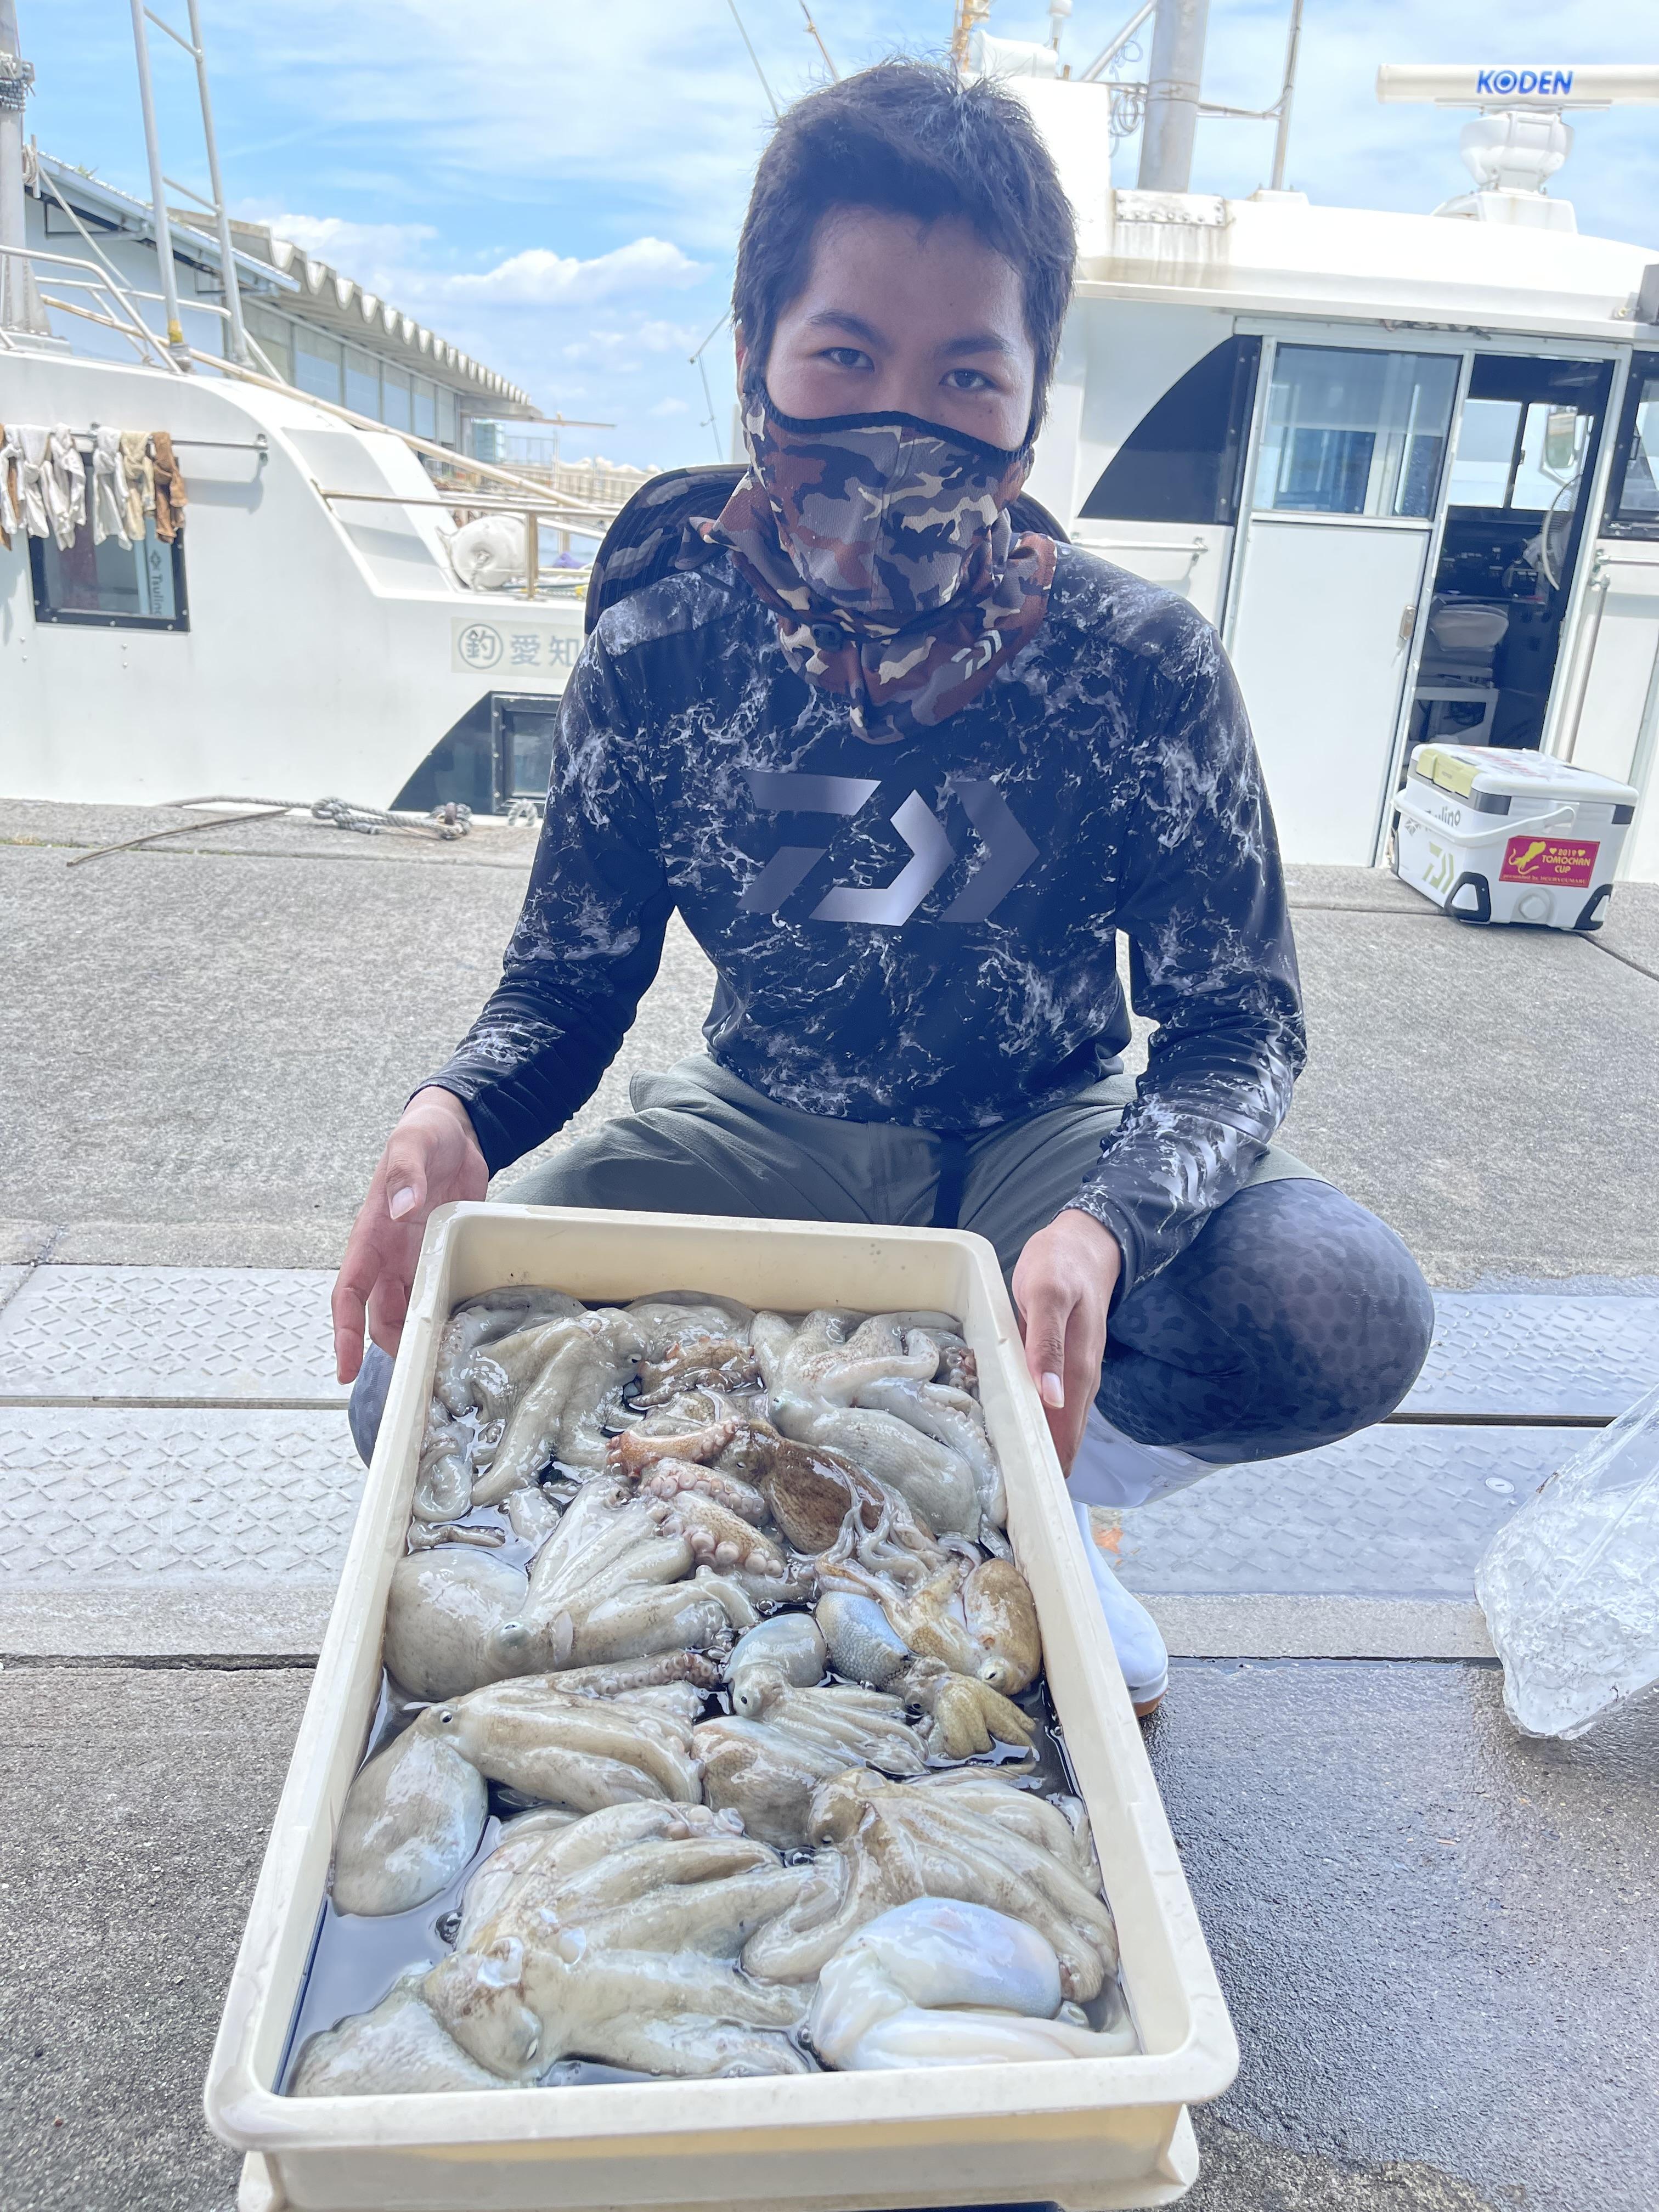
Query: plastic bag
[1571,1586]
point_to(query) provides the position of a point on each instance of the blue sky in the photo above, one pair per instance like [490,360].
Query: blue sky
[558,188]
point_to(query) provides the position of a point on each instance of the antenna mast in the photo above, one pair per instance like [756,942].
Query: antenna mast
[970,15]
[20,310]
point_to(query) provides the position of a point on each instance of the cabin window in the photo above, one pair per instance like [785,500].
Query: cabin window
[106,587]
[1354,432]
[1633,500]
[1181,463]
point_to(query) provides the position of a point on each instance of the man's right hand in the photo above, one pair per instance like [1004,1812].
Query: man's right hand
[431,1157]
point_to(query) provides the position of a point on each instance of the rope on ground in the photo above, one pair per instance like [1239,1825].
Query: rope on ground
[446,822]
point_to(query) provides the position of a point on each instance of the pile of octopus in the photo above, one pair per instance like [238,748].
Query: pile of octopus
[714,1739]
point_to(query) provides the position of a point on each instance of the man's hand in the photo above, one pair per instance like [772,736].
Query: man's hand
[1063,1287]
[431,1157]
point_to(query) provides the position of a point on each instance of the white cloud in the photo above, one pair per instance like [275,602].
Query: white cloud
[671,407]
[537,278]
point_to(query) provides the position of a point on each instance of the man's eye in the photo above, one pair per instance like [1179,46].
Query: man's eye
[845,357]
[968,380]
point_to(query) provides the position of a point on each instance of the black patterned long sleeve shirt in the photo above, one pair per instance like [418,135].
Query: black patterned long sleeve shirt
[923,933]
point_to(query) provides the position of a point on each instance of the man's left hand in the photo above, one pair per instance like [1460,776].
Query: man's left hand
[1063,1287]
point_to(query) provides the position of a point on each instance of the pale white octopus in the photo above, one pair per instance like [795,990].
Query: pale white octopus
[398,2047]
[488,1319]
[609,1583]
[834,1353]
[941,1983]
[616,1940]
[958,1833]
[955,1419]
[415,1814]
[558,1413]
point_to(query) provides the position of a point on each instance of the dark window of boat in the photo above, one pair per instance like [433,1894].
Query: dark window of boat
[1183,461]
[1633,495]
[107,586]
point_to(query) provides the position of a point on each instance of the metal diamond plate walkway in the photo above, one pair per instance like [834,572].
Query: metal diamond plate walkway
[1494,1354]
[175,1467]
[216,1333]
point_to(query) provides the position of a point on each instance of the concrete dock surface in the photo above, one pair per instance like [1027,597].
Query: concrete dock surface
[1436,1939]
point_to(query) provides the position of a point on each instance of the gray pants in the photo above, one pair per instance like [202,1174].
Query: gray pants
[1292,1318]
[698,1140]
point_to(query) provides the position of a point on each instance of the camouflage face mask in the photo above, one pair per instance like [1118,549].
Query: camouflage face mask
[883,546]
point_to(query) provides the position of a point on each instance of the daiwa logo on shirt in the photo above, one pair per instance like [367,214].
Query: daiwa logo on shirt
[1008,852]
[1524,83]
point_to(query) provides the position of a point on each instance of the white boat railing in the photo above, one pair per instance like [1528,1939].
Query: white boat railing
[103,285]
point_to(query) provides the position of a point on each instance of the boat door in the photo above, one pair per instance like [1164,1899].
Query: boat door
[1350,446]
[1610,719]
[1516,509]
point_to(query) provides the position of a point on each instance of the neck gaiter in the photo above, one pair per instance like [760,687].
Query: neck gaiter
[883,545]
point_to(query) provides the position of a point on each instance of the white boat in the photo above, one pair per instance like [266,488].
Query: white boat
[1406,464]
[312,630]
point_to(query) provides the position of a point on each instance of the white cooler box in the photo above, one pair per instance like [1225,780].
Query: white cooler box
[1492,834]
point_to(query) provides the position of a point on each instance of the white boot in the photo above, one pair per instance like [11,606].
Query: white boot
[1136,1638]
[1113,1469]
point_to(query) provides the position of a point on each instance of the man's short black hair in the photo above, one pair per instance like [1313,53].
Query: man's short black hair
[908,137]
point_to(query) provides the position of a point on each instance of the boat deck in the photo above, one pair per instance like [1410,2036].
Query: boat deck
[1435,1938]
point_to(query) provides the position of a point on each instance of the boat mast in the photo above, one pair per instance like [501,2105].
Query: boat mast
[1173,82]
[20,303]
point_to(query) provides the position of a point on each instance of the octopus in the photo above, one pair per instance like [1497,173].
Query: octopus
[443,1478]
[609,1583]
[416,1813]
[940,1983]
[965,1714]
[719,1514]
[790,1644]
[980,1621]
[616,1938]
[935,1481]
[953,1417]
[397,2046]
[766,1768]
[670,1367]
[486,1320]
[821,1500]
[834,1353]
[577,1366]
[958,1834]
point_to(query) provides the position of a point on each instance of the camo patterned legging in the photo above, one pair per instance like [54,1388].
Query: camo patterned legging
[1294,1318]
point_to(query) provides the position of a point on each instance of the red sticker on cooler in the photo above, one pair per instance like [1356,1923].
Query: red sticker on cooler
[1547,860]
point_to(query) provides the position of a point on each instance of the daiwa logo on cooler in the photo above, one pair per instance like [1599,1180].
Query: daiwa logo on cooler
[1524,84]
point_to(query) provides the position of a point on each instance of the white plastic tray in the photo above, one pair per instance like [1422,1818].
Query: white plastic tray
[1091,2134]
